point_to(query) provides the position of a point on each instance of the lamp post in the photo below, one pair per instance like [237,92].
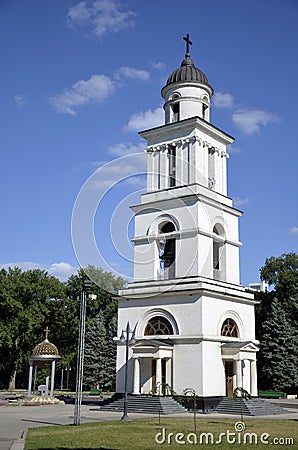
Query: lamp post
[79,377]
[67,368]
[127,340]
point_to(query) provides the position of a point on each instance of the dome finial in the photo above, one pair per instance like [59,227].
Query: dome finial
[47,332]
[188,43]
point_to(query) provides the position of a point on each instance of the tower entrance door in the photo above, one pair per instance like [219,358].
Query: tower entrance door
[158,380]
[229,370]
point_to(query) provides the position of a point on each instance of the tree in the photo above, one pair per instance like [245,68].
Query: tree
[23,316]
[104,285]
[95,360]
[282,272]
[111,352]
[278,356]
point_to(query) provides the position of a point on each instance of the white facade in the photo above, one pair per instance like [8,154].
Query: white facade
[194,323]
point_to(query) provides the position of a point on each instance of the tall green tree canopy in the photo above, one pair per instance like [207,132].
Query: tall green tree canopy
[23,315]
[278,351]
[276,324]
[104,285]
[282,272]
[32,300]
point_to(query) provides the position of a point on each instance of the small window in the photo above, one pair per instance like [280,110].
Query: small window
[229,328]
[172,166]
[158,325]
[216,251]
[175,112]
[175,108]
[204,109]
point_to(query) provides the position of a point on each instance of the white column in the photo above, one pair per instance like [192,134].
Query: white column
[47,381]
[218,171]
[253,378]
[136,376]
[224,174]
[53,378]
[169,372]
[238,373]
[150,171]
[164,168]
[30,379]
[158,373]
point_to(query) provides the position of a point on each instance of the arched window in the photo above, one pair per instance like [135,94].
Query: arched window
[229,328]
[172,166]
[167,252]
[218,253]
[216,250]
[175,109]
[158,325]
[204,108]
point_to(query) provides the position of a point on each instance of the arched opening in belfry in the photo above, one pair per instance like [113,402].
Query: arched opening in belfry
[175,109]
[219,268]
[167,252]
[205,108]
[172,166]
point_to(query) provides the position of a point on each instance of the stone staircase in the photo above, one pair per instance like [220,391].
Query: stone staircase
[144,404]
[252,407]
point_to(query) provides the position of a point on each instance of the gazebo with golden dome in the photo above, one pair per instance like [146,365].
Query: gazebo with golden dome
[44,356]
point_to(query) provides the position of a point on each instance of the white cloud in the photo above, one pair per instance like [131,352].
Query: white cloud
[251,120]
[120,170]
[145,119]
[131,170]
[92,91]
[294,230]
[159,66]
[234,149]
[19,100]
[61,270]
[131,72]
[125,149]
[100,17]
[223,100]
[240,201]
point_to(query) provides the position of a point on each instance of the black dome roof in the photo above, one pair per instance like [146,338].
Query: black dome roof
[187,72]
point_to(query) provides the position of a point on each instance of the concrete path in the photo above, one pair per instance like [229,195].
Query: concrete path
[15,420]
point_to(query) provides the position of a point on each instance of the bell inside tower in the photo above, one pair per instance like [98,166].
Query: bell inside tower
[167,253]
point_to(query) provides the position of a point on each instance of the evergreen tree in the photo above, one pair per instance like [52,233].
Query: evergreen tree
[278,356]
[95,360]
[111,353]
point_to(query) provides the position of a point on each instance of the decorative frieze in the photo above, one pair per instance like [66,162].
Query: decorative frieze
[189,140]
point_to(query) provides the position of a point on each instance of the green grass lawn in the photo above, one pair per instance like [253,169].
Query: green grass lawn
[139,434]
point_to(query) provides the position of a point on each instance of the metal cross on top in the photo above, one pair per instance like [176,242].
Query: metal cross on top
[188,43]
[47,331]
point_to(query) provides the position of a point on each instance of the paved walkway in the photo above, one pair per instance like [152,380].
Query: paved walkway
[15,420]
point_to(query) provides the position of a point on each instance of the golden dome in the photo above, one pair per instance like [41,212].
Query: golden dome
[45,348]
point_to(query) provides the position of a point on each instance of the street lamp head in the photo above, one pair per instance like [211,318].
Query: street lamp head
[133,338]
[122,337]
[87,284]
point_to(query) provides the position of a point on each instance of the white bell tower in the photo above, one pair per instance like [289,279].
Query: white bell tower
[186,255]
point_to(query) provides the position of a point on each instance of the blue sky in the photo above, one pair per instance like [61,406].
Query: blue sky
[80,79]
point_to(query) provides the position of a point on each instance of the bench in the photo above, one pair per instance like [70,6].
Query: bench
[95,391]
[272,394]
